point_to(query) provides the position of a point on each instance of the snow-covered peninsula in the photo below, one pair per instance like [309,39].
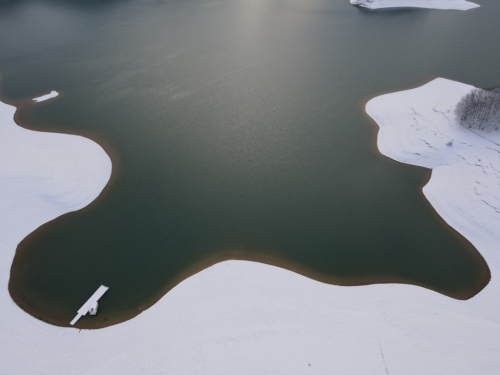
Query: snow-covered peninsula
[429,4]
[242,317]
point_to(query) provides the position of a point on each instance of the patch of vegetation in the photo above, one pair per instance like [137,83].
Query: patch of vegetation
[479,109]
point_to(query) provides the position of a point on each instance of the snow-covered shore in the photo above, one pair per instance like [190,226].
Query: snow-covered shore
[242,317]
[428,4]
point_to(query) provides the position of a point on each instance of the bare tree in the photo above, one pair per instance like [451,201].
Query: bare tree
[479,109]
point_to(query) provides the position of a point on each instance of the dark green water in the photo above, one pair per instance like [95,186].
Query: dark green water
[236,129]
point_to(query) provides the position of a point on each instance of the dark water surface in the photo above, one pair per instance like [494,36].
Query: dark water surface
[236,130]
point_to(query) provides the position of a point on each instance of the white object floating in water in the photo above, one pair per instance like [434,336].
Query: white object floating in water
[42,98]
[91,305]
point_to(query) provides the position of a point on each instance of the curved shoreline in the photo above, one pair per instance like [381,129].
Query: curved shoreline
[426,4]
[223,255]
[246,318]
[418,127]
[247,256]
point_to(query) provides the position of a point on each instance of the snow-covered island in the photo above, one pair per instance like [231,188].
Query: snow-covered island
[242,317]
[429,4]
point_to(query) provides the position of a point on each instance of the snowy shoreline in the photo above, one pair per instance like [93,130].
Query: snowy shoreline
[427,4]
[241,317]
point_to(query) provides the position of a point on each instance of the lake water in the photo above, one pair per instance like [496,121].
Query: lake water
[237,131]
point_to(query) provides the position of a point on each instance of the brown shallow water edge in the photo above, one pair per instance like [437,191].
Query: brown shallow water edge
[102,321]
[486,277]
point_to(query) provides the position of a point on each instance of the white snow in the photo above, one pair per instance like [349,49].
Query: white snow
[247,318]
[429,4]
[43,98]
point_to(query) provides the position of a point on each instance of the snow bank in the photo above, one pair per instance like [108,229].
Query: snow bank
[429,4]
[247,318]
[43,98]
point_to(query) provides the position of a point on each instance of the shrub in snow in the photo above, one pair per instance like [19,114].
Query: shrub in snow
[361,2]
[479,109]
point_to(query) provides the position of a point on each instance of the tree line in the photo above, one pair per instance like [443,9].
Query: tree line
[480,109]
